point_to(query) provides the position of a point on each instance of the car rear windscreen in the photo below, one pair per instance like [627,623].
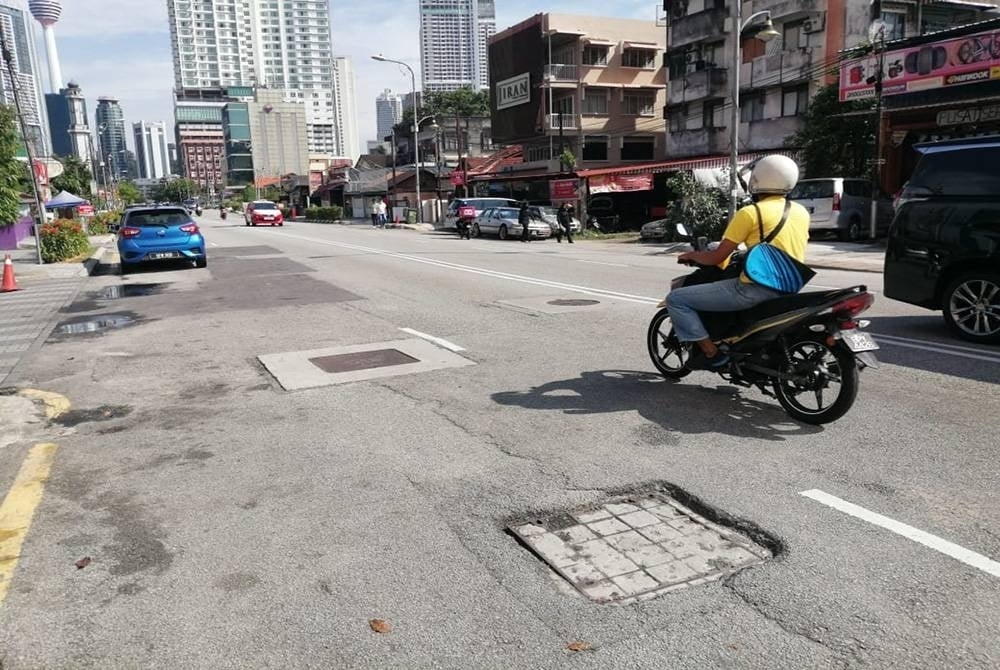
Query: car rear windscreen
[160,217]
[968,172]
[808,190]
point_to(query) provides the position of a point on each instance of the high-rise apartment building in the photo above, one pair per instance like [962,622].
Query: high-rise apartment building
[111,137]
[68,125]
[277,44]
[454,37]
[345,108]
[151,154]
[388,112]
[19,38]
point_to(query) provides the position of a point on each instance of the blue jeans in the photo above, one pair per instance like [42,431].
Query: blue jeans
[728,295]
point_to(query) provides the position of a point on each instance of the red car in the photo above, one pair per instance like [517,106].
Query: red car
[260,212]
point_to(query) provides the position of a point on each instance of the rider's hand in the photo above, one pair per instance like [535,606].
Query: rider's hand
[687,258]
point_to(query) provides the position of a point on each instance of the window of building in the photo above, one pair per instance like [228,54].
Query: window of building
[643,58]
[711,53]
[677,118]
[752,48]
[709,111]
[595,101]
[536,153]
[595,148]
[752,107]
[638,148]
[895,24]
[595,55]
[677,63]
[638,104]
[794,101]
[794,35]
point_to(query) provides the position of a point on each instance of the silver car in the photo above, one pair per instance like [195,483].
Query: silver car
[842,206]
[503,222]
[550,215]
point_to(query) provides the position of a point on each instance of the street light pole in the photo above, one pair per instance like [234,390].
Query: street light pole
[416,128]
[877,35]
[765,33]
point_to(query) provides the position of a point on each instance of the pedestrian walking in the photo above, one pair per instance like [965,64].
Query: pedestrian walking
[381,209]
[524,218]
[374,206]
[566,221]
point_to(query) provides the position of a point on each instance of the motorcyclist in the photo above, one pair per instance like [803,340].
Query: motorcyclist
[222,212]
[770,181]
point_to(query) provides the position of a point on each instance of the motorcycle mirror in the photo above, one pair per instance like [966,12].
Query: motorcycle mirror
[683,231]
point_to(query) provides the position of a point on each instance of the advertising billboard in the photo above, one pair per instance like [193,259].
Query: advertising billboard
[564,189]
[620,183]
[954,62]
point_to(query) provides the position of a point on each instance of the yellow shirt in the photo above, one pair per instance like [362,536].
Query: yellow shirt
[792,239]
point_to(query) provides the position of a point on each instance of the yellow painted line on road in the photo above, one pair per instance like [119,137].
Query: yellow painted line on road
[18,509]
[55,404]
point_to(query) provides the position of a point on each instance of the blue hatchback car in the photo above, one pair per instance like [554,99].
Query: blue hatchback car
[159,233]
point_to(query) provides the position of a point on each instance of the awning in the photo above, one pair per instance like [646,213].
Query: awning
[514,176]
[596,42]
[65,199]
[641,45]
[704,163]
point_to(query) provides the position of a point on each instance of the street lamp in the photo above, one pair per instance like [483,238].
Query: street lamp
[416,126]
[764,31]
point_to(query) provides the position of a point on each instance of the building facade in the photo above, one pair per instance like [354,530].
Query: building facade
[345,109]
[388,112]
[111,149]
[279,130]
[18,36]
[151,153]
[68,125]
[454,43]
[198,132]
[238,154]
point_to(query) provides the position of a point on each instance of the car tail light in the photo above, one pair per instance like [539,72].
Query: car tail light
[131,232]
[853,305]
[189,228]
[836,202]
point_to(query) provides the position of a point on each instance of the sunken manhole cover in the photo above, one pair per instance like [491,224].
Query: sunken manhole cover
[573,302]
[94,324]
[638,547]
[362,360]
[119,291]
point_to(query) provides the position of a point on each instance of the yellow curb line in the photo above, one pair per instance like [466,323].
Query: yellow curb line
[18,509]
[55,404]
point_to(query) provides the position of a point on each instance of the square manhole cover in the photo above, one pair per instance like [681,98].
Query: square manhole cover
[362,360]
[637,547]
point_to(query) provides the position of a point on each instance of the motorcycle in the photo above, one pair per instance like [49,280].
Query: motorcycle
[806,349]
[197,211]
[222,213]
[464,227]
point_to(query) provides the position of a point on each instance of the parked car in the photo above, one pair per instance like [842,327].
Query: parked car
[503,222]
[655,230]
[944,245]
[470,208]
[159,233]
[549,215]
[842,206]
[260,212]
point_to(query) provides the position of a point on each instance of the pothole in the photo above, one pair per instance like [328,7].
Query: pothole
[639,546]
[75,417]
[94,324]
[118,291]
[573,302]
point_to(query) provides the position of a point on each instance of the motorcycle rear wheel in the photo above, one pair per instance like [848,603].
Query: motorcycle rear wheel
[669,356]
[824,366]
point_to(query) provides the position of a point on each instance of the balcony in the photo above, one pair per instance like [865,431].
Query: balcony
[698,26]
[569,122]
[562,75]
[707,83]
[768,133]
[783,67]
[789,10]
[701,142]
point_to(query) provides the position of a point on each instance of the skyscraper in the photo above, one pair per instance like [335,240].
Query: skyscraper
[151,152]
[453,43]
[47,12]
[18,37]
[345,108]
[388,112]
[281,44]
[68,125]
[111,137]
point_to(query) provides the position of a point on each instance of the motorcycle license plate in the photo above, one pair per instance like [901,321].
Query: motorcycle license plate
[858,341]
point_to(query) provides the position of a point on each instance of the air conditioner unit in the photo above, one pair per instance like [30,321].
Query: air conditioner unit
[814,23]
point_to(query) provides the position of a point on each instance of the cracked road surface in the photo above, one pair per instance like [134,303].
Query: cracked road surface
[231,524]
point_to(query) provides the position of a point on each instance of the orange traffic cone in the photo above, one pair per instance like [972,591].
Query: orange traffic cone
[9,283]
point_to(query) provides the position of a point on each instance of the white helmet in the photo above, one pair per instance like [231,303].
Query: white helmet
[775,174]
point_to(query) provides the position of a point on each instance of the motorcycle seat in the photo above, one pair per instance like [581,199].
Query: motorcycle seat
[788,303]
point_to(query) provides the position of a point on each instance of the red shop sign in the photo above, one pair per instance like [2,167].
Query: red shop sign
[458,178]
[564,189]
[619,183]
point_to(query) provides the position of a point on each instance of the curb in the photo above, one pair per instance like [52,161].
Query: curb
[90,265]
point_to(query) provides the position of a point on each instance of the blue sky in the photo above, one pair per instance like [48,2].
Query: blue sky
[121,48]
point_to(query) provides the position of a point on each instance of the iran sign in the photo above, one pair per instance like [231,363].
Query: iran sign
[514,91]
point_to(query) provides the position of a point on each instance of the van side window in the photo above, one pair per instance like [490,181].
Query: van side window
[972,172]
[856,188]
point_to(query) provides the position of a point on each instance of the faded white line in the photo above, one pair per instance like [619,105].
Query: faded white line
[950,349]
[440,341]
[934,542]
[614,265]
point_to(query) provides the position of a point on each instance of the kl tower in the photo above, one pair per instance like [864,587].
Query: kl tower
[47,12]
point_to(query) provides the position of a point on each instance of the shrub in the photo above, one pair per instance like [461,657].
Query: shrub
[98,225]
[332,213]
[63,239]
[702,208]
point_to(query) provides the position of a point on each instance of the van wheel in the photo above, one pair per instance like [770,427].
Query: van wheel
[972,307]
[503,232]
[852,233]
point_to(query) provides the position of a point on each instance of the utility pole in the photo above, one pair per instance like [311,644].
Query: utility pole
[562,145]
[39,206]
[876,34]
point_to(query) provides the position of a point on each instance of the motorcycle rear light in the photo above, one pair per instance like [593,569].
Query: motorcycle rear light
[836,202]
[189,228]
[848,325]
[130,232]
[853,305]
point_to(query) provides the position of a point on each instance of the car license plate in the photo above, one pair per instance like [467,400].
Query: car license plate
[857,341]
[164,254]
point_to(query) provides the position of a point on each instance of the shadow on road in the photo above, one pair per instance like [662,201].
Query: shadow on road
[927,344]
[684,408]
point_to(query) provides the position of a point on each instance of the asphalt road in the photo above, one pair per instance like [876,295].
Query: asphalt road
[232,524]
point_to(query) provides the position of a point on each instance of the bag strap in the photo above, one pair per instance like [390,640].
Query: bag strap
[777,229]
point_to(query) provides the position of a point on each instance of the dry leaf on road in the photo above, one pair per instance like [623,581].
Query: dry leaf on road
[380,626]
[82,563]
[578,646]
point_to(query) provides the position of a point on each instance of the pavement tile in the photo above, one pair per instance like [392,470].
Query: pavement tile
[681,549]
[665,511]
[606,559]
[602,591]
[575,534]
[590,517]
[649,555]
[635,583]
[529,530]
[626,541]
[555,551]
[583,574]
[661,532]
[671,573]
[620,508]
[649,503]
[639,519]
[608,527]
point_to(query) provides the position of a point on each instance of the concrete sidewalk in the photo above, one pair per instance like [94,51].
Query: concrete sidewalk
[26,266]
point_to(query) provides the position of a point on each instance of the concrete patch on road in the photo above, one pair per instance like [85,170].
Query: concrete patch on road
[341,365]
[560,304]
[637,547]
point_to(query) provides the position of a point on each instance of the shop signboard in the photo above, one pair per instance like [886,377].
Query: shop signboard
[620,183]
[960,116]
[564,189]
[85,210]
[457,178]
[513,91]
[954,62]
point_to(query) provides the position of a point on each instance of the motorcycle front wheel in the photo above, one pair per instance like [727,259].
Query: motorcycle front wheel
[669,356]
[827,381]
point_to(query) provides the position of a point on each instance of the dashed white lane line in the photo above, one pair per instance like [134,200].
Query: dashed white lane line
[440,341]
[934,542]
[614,265]
[939,348]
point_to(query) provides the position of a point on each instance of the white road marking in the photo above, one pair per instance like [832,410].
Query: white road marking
[614,265]
[939,348]
[440,341]
[934,542]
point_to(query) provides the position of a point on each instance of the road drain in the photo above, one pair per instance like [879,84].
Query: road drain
[94,325]
[573,302]
[119,291]
[637,546]
[362,360]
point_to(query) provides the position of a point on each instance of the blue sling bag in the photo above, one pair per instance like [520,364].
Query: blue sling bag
[769,266]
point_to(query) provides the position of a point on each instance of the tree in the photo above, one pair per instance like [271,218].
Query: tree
[129,192]
[461,102]
[697,206]
[75,177]
[178,190]
[11,169]
[838,138]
